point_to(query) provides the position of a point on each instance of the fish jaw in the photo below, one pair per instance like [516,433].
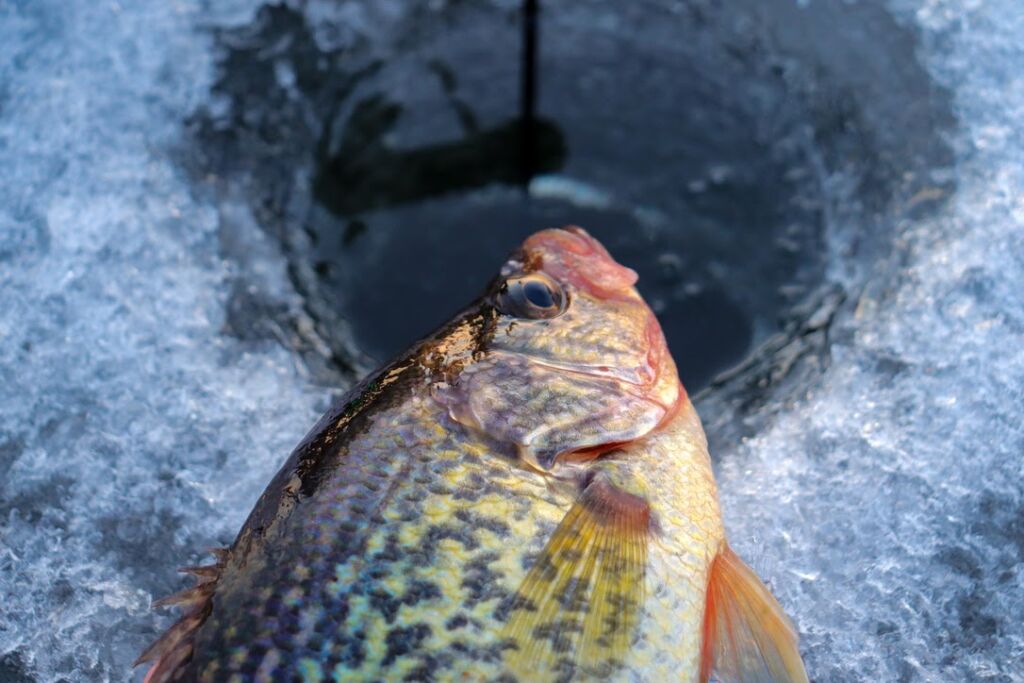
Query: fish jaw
[580,412]
[569,388]
[572,256]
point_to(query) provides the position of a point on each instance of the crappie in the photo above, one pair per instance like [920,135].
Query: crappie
[524,495]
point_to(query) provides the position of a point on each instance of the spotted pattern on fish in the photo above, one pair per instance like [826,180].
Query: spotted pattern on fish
[526,495]
[355,597]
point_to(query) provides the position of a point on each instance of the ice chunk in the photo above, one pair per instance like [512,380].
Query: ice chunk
[134,432]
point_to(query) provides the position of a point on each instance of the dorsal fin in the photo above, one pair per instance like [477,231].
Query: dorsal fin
[174,647]
[747,636]
[580,602]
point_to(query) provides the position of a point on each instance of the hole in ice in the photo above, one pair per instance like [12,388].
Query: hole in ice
[710,150]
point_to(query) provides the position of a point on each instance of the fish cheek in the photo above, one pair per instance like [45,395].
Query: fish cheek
[545,412]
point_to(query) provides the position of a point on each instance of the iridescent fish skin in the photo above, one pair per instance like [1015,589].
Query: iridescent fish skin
[525,495]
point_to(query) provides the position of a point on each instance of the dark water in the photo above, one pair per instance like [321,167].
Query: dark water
[394,264]
[731,157]
[419,193]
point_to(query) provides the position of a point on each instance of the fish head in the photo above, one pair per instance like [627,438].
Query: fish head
[576,363]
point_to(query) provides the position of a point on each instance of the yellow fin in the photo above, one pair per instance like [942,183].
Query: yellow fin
[747,636]
[580,602]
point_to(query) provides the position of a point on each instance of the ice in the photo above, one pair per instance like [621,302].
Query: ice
[886,507]
[134,431]
[155,365]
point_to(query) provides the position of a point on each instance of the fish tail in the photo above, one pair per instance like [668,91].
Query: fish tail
[747,637]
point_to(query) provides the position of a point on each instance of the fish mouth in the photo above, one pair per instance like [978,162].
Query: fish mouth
[554,401]
[655,384]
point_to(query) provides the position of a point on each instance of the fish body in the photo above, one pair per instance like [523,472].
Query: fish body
[525,495]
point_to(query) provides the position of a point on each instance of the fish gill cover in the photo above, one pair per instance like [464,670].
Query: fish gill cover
[158,361]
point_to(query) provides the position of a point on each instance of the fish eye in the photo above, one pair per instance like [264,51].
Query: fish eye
[534,296]
[539,294]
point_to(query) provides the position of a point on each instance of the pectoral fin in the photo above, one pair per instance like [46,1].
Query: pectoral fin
[580,602]
[747,636]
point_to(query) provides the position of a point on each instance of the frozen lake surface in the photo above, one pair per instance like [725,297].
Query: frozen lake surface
[158,362]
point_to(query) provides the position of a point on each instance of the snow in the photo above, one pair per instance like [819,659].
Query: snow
[142,414]
[133,431]
[887,506]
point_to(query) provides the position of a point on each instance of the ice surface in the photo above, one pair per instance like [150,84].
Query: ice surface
[134,431]
[145,404]
[887,507]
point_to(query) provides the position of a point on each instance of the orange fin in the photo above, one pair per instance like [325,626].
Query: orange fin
[174,647]
[579,604]
[747,636]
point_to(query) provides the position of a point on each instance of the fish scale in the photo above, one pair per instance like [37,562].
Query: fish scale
[524,495]
[415,548]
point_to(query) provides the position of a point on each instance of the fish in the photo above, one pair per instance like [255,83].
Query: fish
[524,495]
